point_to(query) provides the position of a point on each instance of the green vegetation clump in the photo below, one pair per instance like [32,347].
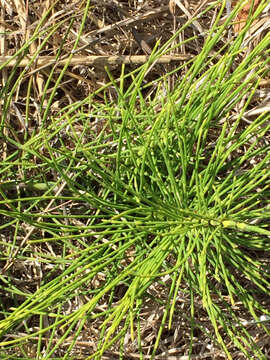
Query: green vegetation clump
[162,208]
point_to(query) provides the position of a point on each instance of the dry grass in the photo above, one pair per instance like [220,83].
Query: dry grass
[119,31]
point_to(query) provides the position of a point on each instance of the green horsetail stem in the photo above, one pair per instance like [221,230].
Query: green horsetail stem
[231,224]
[12,185]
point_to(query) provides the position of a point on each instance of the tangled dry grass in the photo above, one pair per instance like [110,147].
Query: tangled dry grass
[116,32]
